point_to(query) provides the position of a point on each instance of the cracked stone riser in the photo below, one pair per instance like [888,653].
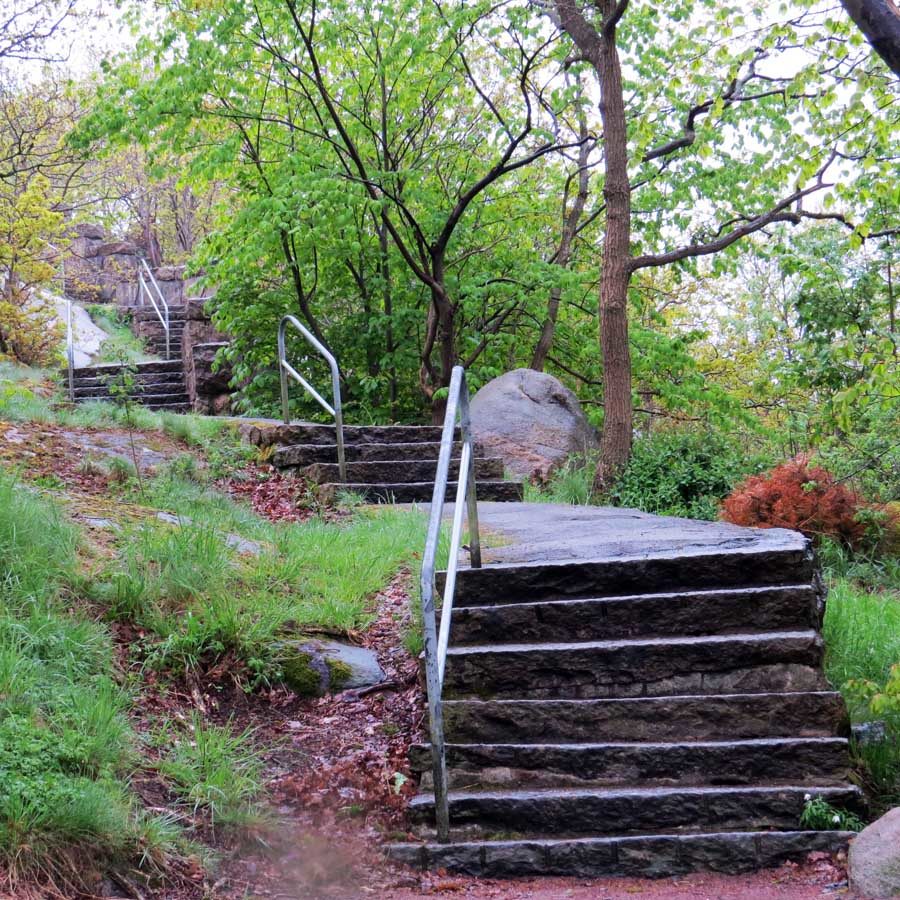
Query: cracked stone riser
[685,613]
[281,435]
[419,492]
[676,718]
[654,856]
[638,575]
[397,471]
[300,455]
[596,811]
[786,760]
[778,661]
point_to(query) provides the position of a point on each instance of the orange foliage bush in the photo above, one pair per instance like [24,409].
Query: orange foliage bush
[798,496]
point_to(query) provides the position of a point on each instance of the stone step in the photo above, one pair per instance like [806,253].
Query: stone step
[420,492]
[172,405]
[397,471]
[606,811]
[282,435]
[676,718]
[680,613]
[633,575]
[148,313]
[138,390]
[820,760]
[141,378]
[309,454]
[140,368]
[652,855]
[717,664]
[148,399]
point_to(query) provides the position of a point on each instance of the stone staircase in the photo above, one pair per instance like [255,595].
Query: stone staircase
[385,463]
[146,324]
[641,716]
[157,385]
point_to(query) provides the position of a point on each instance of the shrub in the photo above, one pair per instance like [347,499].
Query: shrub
[802,497]
[683,472]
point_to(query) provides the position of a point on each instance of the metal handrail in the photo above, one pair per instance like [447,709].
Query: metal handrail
[70,350]
[436,642]
[144,289]
[285,369]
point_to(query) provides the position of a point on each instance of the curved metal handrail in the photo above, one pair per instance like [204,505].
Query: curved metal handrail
[285,369]
[163,314]
[436,642]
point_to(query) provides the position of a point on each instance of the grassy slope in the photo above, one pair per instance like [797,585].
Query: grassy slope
[66,745]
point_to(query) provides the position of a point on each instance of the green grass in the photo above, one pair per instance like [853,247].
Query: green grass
[65,744]
[121,344]
[862,639]
[216,770]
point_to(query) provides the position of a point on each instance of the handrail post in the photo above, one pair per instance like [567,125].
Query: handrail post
[465,427]
[143,288]
[70,351]
[285,369]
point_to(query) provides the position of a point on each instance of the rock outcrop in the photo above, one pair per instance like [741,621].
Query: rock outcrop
[875,858]
[532,421]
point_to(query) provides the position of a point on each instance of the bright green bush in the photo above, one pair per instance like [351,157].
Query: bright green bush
[684,472]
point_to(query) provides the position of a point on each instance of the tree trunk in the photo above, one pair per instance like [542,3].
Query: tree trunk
[615,438]
[879,21]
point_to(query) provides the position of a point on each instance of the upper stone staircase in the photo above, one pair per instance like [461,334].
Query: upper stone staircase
[640,716]
[147,325]
[385,463]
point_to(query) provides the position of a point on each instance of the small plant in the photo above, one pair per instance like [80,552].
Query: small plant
[120,471]
[802,497]
[819,815]
[121,388]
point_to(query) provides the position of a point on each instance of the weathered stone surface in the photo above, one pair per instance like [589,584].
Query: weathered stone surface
[875,858]
[204,379]
[755,566]
[530,420]
[393,471]
[817,714]
[663,855]
[610,811]
[90,230]
[116,248]
[418,491]
[267,434]
[314,667]
[810,760]
[310,454]
[685,613]
[612,668]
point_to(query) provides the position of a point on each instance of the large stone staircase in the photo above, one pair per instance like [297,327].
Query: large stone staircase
[157,385]
[385,463]
[641,716]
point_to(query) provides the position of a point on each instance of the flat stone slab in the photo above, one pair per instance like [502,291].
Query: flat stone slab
[540,533]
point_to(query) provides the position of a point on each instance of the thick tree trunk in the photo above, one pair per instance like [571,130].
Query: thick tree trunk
[615,439]
[879,21]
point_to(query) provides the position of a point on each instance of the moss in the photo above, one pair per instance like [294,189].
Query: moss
[339,673]
[301,676]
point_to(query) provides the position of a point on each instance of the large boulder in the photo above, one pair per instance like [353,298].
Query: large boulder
[530,420]
[875,858]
